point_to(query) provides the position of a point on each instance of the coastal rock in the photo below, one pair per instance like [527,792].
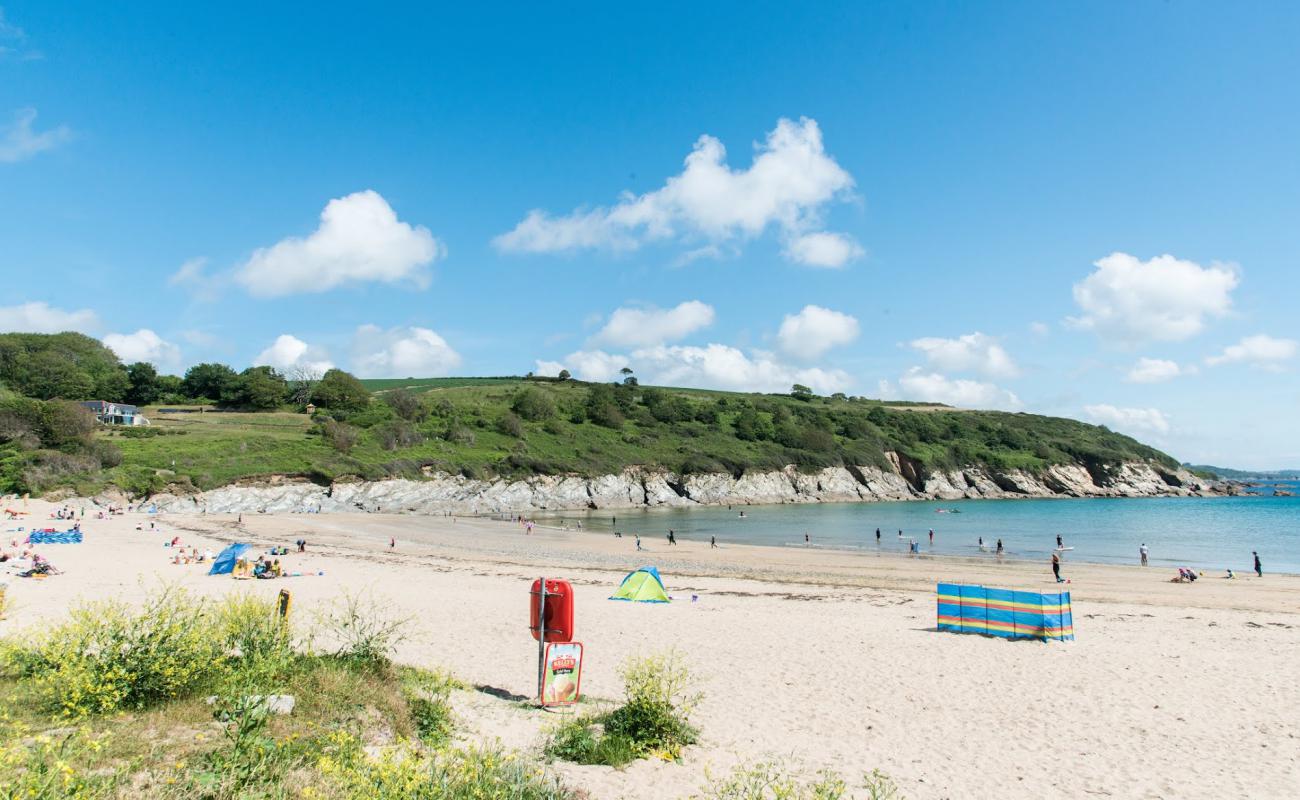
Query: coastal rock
[635,488]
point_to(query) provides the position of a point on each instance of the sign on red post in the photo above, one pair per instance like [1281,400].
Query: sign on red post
[557,617]
[563,677]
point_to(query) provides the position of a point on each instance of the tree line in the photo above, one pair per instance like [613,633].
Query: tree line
[72,366]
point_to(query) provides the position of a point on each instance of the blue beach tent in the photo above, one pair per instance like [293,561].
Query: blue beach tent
[225,563]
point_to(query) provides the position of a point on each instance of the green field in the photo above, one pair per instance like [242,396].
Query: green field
[472,427]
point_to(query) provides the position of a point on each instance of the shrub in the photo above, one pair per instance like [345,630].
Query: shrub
[50,768]
[257,640]
[401,773]
[396,435]
[772,781]
[653,720]
[510,425]
[428,696]
[533,405]
[361,631]
[341,436]
[106,657]
[407,405]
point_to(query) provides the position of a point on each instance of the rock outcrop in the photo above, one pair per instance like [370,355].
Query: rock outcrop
[635,487]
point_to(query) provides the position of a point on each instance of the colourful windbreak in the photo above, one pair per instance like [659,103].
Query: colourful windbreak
[1004,612]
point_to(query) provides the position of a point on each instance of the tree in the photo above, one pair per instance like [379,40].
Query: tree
[302,381]
[67,365]
[256,388]
[144,387]
[50,374]
[208,381]
[801,392]
[564,375]
[340,391]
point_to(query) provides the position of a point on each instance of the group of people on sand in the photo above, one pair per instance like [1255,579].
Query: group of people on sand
[67,512]
[261,568]
[28,563]
[192,556]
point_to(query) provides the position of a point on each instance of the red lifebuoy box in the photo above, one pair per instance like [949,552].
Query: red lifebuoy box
[557,618]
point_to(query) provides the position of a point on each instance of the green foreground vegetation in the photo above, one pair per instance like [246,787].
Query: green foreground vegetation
[173,700]
[178,699]
[214,426]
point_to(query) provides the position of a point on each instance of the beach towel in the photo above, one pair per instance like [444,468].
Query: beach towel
[55,537]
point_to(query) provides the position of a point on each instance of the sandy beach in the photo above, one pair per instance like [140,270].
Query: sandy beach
[821,659]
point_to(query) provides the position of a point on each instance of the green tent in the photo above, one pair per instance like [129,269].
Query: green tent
[642,586]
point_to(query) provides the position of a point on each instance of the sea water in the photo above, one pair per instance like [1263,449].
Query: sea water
[1208,533]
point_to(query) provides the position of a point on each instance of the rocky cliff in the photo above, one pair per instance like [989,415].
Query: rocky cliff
[636,488]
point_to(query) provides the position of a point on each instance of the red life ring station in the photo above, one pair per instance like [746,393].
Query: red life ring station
[556,617]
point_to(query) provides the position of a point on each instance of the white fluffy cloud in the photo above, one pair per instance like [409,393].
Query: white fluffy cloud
[814,330]
[401,353]
[143,345]
[974,352]
[1260,350]
[1154,370]
[290,354]
[789,182]
[20,140]
[360,240]
[823,249]
[1164,299]
[713,366]
[639,327]
[933,387]
[40,317]
[1134,420]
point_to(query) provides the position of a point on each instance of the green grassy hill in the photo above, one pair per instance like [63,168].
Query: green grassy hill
[485,427]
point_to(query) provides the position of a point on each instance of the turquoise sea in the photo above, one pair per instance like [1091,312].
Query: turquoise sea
[1206,533]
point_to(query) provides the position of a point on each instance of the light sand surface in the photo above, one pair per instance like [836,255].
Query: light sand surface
[819,658]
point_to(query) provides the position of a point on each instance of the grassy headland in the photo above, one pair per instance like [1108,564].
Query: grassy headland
[517,427]
[215,426]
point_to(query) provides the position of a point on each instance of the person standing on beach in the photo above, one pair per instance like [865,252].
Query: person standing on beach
[713,542]
[1142,551]
[1059,544]
[672,539]
[932,537]
[392,543]
[1259,568]
[638,540]
[877,536]
[1056,567]
[999,547]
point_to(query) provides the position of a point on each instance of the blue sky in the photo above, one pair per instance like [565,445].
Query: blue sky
[1087,210]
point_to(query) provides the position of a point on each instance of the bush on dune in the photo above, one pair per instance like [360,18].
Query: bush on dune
[652,721]
[772,781]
